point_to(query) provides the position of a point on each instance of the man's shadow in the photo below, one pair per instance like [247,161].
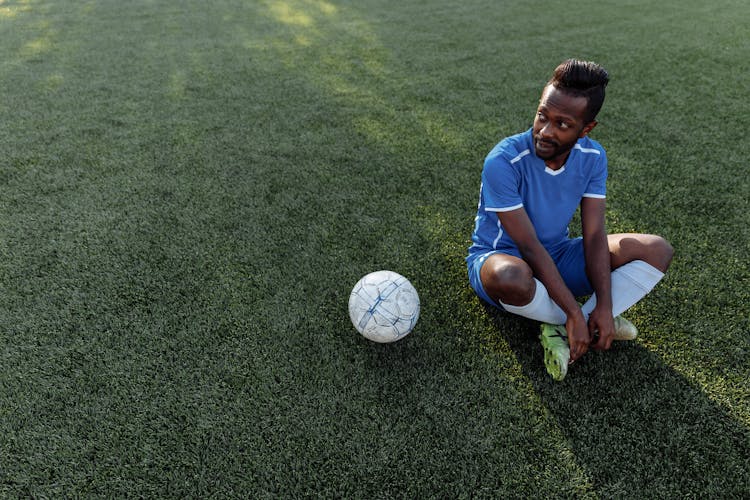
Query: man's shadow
[636,426]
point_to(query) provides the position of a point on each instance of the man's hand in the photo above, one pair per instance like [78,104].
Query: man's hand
[518,226]
[578,335]
[602,328]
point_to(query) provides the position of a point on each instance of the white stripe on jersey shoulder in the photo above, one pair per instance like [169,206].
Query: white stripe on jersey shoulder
[503,209]
[592,195]
[521,155]
[586,150]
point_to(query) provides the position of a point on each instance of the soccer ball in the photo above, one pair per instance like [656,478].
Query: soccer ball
[384,306]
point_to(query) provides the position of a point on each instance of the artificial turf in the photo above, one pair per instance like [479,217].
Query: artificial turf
[189,190]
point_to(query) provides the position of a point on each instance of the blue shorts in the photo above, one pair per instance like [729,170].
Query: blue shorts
[568,257]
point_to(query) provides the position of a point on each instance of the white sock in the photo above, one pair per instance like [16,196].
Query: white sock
[541,308]
[630,283]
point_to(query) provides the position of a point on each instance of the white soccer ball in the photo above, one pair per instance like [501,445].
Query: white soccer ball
[384,306]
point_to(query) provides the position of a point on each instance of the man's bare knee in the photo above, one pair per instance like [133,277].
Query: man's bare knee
[662,253]
[650,248]
[509,281]
[657,251]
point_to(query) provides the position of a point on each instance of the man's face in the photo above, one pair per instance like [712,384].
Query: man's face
[560,121]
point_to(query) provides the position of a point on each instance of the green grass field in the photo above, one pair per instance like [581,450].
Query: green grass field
[189,190]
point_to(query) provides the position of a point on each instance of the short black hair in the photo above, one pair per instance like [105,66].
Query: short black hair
[582,79]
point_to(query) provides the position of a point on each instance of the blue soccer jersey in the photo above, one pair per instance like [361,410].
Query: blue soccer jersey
[514,177]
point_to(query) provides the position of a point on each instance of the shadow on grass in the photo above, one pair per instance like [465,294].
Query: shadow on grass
[635,425]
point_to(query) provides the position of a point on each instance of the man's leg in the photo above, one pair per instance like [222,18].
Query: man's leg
[639,262]
[509,281]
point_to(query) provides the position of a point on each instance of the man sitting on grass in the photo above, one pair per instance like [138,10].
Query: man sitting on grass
[522,258]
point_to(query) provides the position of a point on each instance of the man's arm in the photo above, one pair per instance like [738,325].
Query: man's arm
[519,227]
[598,269]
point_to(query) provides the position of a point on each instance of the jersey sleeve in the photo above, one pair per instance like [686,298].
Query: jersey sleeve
[597,187]
[500,185]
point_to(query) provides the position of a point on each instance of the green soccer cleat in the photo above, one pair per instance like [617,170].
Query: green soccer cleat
[624,329]
[556,351]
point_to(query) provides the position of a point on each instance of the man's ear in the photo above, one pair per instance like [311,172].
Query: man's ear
[587,128]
